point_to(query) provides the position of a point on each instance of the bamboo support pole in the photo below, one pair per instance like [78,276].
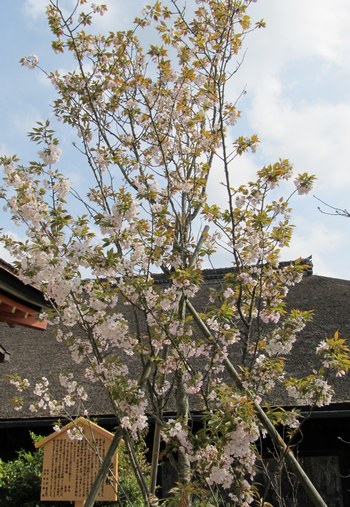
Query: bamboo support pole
[155,457]
[103,471]
[286,452]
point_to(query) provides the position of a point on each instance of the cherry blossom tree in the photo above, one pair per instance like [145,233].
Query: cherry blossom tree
[153,122]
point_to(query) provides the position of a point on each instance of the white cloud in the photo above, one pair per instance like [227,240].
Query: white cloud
[242,170]
[299,29]
[297,102]
[314,135]
[34,9]
[325,241]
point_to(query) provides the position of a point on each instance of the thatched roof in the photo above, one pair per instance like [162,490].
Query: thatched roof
[37,354]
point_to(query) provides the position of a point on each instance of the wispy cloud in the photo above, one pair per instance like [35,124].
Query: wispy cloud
[299,29]
[323,242]
[296,102]
[34,9]
[314,135]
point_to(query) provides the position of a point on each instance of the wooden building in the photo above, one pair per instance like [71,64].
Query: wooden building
[20,304]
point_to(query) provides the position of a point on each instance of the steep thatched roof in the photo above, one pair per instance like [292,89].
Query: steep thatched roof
[37,354]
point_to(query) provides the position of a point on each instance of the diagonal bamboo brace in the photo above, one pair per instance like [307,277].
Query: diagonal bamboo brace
[286,452]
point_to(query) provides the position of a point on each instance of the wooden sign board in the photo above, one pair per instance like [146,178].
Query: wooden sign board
[71,464]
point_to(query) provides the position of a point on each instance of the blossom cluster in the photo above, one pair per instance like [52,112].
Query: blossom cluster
[314,390]
[30,61]
[334,354]
[74,396]
[51,154]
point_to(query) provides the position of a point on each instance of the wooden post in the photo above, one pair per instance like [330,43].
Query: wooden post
[79,503]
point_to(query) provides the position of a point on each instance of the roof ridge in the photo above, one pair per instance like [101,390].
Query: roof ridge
[219,273]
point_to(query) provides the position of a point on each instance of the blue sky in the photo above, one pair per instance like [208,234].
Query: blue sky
[296,73]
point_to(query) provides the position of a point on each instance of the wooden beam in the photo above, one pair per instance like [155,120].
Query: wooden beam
[19,319]
[17,305]
[16,313]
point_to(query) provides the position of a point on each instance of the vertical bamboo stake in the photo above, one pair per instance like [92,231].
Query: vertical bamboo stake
[155,457]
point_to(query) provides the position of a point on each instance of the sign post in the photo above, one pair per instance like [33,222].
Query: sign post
[72,458]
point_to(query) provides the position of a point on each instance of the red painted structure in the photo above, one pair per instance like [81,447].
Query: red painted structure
[20,304]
